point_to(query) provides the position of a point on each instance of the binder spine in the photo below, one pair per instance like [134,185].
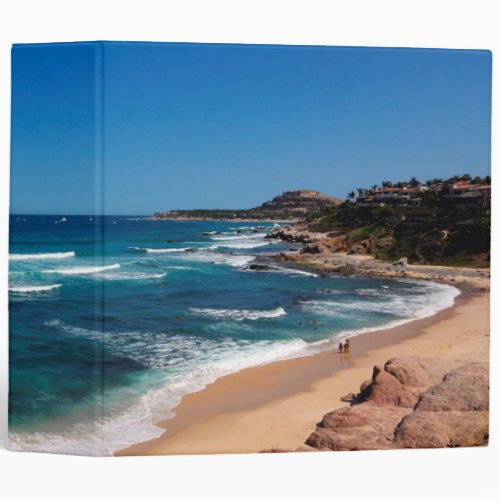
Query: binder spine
[99,302]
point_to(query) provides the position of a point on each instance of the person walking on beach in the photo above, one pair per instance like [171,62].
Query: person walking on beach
[341,347]
[346,346]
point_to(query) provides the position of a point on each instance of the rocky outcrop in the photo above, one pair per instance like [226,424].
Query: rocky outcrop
[313,242]
[361,427]
[412,403]
[470,280]
[442,430]
[259,267]
[295,234]
[463,389]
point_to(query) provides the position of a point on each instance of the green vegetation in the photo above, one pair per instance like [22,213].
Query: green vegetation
[430,225]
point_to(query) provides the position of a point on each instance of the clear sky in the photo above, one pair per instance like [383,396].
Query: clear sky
[231,126]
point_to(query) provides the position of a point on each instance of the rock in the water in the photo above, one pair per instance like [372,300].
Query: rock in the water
[259,267]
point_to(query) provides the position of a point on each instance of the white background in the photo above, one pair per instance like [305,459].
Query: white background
[457,473]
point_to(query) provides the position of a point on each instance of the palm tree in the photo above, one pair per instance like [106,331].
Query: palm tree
[351,195]
[414,182]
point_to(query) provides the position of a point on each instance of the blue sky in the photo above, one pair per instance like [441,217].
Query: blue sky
[231,126]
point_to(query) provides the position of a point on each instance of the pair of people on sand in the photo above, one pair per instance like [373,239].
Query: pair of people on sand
[344,347]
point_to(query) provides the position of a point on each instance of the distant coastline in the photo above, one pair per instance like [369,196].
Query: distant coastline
[290,206]
[187,219]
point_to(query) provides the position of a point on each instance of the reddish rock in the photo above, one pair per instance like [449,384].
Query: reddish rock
[365,385]
[463,389]
[412,403]
[360,427]
[386,389]
[431,429]
[418,372]
[348,397]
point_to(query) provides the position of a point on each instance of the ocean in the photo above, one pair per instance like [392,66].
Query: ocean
[114,319]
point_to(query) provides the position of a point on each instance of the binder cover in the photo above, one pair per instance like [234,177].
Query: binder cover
[239,249]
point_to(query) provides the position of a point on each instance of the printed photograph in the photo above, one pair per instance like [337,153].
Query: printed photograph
[248,248]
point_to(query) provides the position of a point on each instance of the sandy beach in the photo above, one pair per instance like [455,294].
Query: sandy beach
[277,406]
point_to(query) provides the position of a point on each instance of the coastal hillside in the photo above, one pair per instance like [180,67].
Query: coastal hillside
[437,222]
[291,205]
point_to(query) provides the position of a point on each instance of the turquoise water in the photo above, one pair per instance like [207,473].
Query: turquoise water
[113,319]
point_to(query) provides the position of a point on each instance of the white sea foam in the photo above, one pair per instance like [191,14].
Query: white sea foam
[41,256]
[159,250]
[367,292]
[238,314]
[240,244]
[230,259]
[291,270]
[422,301]
[288,270]
[198,362]
[124,275]
[166,250]
[33,288]
[82,269]
[256,236]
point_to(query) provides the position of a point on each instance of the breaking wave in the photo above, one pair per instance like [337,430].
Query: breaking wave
[238,314]
[82,269]
[424,301]
[33,288]
[41,256]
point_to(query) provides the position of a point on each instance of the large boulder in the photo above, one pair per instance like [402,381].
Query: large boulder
[385,389]
[430,429]
[360,427]
[412,403]
[463,389]
[413,371]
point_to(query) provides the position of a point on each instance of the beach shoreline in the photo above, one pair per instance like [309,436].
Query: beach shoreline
[276,406]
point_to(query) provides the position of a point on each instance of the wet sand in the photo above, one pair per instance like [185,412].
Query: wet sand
[276,406]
